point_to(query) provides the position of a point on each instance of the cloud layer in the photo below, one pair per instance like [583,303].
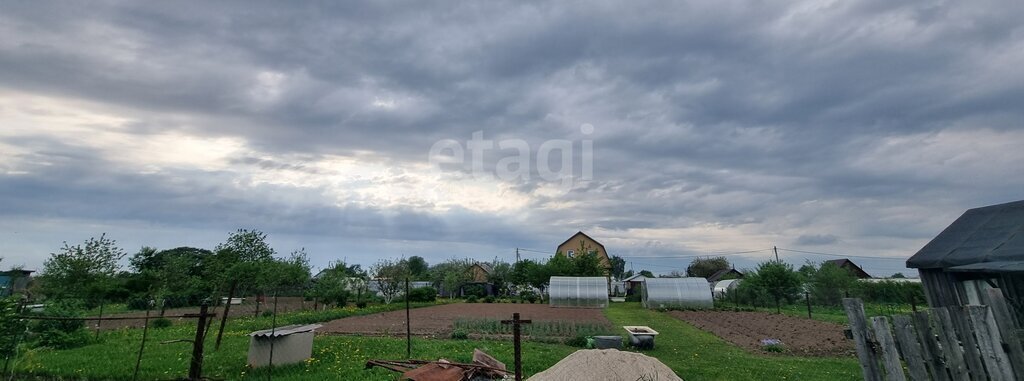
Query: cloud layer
[852,127]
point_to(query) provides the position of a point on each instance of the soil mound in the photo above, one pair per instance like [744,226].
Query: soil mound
[607,364]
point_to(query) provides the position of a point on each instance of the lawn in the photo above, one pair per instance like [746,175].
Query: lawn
[694,354]
[697,355]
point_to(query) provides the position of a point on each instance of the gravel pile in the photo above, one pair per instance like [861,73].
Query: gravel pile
[607,364]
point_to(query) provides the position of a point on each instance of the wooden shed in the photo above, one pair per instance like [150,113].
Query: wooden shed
[981,250]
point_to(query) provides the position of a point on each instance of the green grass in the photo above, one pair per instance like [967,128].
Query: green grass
[334,358]
[697,355]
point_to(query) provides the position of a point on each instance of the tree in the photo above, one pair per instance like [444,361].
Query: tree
[335,283]
[390,276]
[705,267]
[500,276]
[450,275]
[830,282]
[241,263]
[898,276]
[179,276]
[418,267]
[291,273]
[774,279]
[82,271]
[529,272]
[647,274]
[618,267]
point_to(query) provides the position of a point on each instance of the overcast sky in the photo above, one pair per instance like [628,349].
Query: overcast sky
[845,127]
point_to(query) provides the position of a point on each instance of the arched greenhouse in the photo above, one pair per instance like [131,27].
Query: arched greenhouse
[724,286]
[677,293]
[581,292]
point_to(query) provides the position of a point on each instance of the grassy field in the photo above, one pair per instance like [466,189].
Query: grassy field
[694,354]
[697,355]
[833,314]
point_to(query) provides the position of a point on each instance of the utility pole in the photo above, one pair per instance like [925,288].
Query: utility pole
[517,255]
[776,249]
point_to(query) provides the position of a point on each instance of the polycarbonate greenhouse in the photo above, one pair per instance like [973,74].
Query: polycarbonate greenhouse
[585,292]
[677,293]
[724,286]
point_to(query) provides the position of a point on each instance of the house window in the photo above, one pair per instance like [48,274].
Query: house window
[571,253]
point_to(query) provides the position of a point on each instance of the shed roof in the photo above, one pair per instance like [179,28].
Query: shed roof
[722,273]
[846,263]
[989,234]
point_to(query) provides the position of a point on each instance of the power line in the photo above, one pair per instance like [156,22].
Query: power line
[711,254]
[841,255]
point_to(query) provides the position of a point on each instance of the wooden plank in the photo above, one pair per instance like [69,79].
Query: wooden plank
[890,355]
[909,347]
[972,356]
[1007,330]
[989,343]
[930,346]
[865,352]
[951,349]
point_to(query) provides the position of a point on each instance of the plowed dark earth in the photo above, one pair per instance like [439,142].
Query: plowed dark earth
[802,337]
[437,320]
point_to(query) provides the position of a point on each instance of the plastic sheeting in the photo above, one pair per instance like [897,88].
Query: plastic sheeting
[586,292]
[724,286]
[677,293]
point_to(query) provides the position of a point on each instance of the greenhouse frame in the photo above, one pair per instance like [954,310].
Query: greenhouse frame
[578,292]
[724,286]
[677,293]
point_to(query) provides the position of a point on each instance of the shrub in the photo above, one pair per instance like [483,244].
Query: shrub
[161,323]
[633,298]
[459,334]
[578,341]
[423,294]
[489,299]
[60,334]
[361,304]
[476,290]
[267,313]
[471,299]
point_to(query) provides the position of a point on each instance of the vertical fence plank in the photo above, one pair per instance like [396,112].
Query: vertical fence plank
[1007,330]
[890,355]
[909,346]
[989,343]
[972,356]
[865,352]
[950,344]
[933,356]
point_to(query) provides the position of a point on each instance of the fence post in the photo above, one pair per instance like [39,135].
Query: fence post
[890,356]
[931,352]
[195,370]
[224,319]
[1007,330]
[408,323]
[989,343]
[807,296]
[859,327]
[951,344]
[142,346]
[972,356]
[907,341]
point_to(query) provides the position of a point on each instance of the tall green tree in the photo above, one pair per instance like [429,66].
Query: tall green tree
[451,274]
[618,267]
[830,282]
[774,279]
[705,267]
[390,276]
[335,284]
[241,263]
[84,272]
[418,268]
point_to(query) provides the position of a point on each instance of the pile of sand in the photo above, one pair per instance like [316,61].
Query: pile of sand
[607,364]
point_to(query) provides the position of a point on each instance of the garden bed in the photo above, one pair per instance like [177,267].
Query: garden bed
[439,320]
[799,336]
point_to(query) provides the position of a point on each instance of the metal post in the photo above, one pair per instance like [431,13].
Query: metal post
[408,323]
[776,249]
[99,320]
[807,295]
[145,331]
[517,343]
[227,308]
[195,370]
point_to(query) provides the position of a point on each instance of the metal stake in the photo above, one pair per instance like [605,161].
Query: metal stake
[516,342]
[408,326]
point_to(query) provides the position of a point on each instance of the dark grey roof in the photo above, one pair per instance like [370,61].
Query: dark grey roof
[991,267]
[286,330]
[989,234]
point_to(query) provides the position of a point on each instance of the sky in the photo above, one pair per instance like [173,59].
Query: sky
[360,131]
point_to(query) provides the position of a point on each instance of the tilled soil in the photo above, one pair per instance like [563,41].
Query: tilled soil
[802,337]
[284,304]
[438,320]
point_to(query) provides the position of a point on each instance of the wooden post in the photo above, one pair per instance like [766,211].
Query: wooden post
[408,323]
[950,344]
[273,330]
[224,319]
[865,352]
[989,344]
[516,342]
[929,347]
[99,320]
[807,296]
[972,356]
[890,356]
[195,370]
[909,347]
[1007,330]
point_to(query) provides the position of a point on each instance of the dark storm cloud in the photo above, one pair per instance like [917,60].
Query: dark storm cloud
[772,117]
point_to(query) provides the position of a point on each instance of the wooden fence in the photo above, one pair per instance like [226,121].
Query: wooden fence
[950,343]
